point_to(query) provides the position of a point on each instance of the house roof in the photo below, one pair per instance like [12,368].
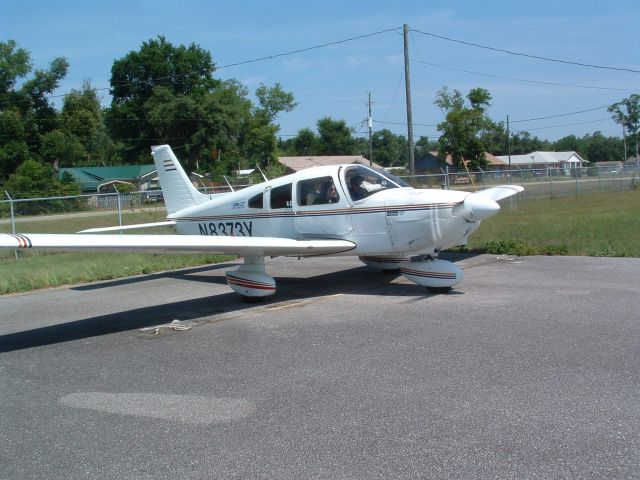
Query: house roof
[543,158]
[300,163]
[90,177]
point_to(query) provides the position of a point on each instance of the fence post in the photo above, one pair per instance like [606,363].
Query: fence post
[13,219]
[119,207]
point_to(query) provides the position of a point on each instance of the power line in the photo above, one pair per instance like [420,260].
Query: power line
[537,57]
[523,80]
[566,125]
[405,123]
[307,49]
[560,115]
[260,59]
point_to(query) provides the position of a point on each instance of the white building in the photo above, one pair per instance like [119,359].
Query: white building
[566,161]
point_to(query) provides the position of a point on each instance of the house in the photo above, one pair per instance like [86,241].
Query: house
[431,162]
[428,162]
[566,161]
[295,164]
[104,179]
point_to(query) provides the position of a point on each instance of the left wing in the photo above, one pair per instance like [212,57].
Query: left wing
[243,246]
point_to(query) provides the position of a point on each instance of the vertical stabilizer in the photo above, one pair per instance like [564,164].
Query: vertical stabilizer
[177,189]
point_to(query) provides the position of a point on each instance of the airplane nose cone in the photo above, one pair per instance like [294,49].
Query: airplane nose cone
[476,207]
[481,207]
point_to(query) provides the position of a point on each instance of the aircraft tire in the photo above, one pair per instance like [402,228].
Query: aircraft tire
[252,300]
[439,289]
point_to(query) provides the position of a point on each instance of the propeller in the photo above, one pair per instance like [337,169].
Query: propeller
[476,207]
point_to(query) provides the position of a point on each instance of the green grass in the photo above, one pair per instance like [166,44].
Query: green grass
[600,224]
[33,270]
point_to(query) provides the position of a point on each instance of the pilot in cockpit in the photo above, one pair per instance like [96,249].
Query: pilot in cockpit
[358,192]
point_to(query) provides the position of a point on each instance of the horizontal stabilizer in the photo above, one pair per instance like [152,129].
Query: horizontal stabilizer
[128,227]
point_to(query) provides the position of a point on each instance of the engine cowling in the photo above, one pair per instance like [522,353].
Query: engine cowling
[433,273]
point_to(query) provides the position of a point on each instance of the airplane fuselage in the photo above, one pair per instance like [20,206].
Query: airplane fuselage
[391,218]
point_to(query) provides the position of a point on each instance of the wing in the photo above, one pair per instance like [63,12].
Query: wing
[243,246]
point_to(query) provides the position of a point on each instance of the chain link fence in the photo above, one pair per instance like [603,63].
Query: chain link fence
[538,184]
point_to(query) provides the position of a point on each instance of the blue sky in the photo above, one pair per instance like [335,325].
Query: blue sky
[335,81]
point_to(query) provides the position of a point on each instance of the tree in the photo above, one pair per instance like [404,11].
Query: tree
[627,113]
[336,138]
[274,100]
[389,149]
[306,142]
[423,146]
[37,179]
[167,94]
[463,126]
[158,70]
[26,115]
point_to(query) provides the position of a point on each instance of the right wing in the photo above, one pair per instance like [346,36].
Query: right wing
[242,246]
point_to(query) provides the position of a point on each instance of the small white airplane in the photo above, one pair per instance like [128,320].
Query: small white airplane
[333,210]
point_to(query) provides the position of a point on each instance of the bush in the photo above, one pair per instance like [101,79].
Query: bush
[523,248]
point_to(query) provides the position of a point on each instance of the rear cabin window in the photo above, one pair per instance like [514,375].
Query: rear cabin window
[256,201]
[281,196]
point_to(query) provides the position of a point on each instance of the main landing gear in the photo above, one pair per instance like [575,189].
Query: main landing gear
[438,276]
[251,281]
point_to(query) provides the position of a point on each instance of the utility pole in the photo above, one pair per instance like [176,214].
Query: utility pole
[508,142]
[407,82]
[370,123]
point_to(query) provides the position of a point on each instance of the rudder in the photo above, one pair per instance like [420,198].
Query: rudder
[177,189]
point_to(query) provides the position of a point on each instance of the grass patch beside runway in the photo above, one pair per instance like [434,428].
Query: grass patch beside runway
[40,270]
[33,270]
[600,224]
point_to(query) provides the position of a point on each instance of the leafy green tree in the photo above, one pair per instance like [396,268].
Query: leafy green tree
[389,149]
[26,115]
[158,70]
[463,126]
[570,143]
[167,94]
[335,137]
[37,179]
[627,113]
[522,143]
[423,146]
[306,142]
[273,100]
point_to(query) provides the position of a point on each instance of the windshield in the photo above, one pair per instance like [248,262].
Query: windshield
[363,182]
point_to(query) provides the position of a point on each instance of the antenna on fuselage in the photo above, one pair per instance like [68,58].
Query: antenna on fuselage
[225,179]
[262,173]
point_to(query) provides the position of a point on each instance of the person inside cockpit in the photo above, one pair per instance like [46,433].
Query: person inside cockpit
[358,192]
[327,194]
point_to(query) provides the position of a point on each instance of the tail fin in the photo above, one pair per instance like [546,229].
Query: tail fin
[177,189]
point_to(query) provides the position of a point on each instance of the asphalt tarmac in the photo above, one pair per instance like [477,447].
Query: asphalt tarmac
[528,369]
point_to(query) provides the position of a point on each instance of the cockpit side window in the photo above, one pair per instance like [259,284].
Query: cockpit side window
[317,191]
[363,182]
